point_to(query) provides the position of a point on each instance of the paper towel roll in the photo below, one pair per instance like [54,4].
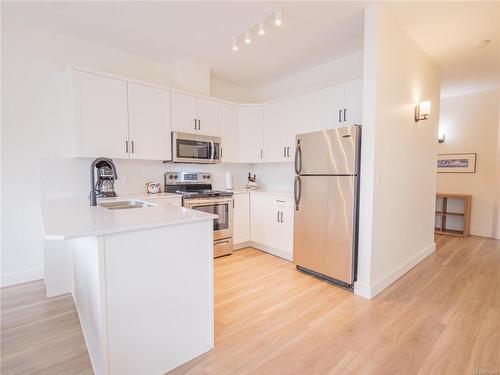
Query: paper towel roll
[229,181]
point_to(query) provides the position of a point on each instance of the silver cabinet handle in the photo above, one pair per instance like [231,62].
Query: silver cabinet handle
[126,147]
[220,151]
[194,124]
[340,115]
[284,152]
[132,146]
[287,151]
[345,112]
[278,216]
[199,124]
[281,217]
[261,153]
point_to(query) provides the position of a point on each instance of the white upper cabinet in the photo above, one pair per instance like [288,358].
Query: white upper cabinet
[282,121]
[206,113]
[191,114]
[101,116]
[304,118]
[329,105]
[339,105]
[120,119]
[250,133]
[184,113]
[275,128]
[149,122]
[228,131]
[354,102]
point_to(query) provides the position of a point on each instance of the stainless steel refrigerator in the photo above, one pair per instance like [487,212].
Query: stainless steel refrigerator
[326,203]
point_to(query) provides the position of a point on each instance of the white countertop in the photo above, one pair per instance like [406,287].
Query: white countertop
[67,218]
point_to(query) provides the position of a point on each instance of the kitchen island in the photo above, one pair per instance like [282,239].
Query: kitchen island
[142,281]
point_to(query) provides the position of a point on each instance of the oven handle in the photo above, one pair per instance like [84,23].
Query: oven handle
[206,202]
[212,150]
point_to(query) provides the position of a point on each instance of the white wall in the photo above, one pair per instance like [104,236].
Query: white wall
[225,90]
[497,169]
[399,155]
[37,134]
[333,72]
[37,129]
[470,123]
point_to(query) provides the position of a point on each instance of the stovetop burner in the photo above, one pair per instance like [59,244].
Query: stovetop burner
[192,185]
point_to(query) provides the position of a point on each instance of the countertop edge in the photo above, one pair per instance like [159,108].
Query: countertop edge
[134,228]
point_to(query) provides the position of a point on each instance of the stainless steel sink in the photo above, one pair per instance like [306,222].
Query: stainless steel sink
[125,205]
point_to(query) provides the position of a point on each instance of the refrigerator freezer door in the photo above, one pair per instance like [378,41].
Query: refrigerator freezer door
[323,228]
[331,151]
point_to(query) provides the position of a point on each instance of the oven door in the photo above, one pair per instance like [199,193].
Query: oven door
[222,207]
[195,148]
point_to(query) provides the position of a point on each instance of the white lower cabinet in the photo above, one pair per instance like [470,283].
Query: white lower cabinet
[271,223]
[241,218]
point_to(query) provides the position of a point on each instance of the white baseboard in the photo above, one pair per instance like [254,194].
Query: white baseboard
[370,291]
[362,289]
[22,277]
[267,249]
[242,245]
[481,232]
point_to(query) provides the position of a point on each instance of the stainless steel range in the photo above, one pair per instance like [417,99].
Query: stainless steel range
[197,193]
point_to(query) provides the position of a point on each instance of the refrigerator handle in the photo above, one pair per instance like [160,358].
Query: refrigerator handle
[298,158]
[297,191]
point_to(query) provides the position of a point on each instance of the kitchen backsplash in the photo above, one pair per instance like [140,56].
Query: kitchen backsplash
[70,176]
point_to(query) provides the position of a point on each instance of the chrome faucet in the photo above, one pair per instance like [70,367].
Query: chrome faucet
[98,164]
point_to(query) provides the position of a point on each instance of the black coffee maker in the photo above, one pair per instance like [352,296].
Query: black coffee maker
[102,179]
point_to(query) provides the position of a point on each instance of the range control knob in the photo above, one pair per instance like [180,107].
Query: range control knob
[176,177]
[170,176]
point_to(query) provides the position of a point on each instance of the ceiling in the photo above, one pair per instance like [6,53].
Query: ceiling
[312,33]
[447,32]
[203,32]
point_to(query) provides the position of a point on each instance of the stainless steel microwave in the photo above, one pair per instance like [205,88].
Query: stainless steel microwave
[195,148]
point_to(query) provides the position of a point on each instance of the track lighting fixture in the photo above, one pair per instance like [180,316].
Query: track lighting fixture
[261,28]
[274,16]
[277,17]
[247,37]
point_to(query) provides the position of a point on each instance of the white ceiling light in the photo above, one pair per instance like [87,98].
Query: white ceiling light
[278,21]
[261,28]
[247,37]
[259,25]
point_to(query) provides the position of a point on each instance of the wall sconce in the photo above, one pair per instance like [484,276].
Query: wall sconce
[441,138]
[422,111]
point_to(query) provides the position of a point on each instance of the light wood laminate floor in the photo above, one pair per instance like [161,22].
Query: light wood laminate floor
[443,317]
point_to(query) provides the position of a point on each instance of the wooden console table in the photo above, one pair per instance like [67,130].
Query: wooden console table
[453,214]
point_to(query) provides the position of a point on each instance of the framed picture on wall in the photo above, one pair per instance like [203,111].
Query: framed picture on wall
[456,163]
